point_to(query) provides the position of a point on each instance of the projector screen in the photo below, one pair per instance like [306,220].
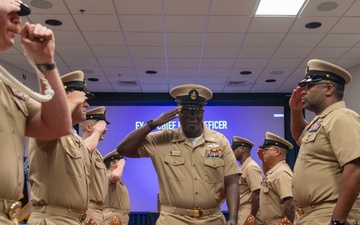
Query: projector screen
[139,175]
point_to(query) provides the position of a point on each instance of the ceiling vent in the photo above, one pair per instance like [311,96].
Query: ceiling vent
[238,83]
[127,83]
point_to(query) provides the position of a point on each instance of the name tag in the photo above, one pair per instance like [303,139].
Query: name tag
[175,153]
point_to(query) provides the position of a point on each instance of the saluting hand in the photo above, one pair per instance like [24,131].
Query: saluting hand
[260,153]
[166,117]
[295,101]
[8,6]
[100,126]
[76,97]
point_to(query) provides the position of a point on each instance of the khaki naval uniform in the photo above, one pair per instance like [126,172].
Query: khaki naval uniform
[117,202]
[329,142]
[276,186]
[16,110]
[190,176]
[59,177]
[249,181]
[98,188]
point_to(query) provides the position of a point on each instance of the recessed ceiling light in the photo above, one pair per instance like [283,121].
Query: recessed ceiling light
[279,7]
[245,72]
[93,79]
[313,25]
[53,22]
[41,4]
[270,80]
[327,6]
[151,72]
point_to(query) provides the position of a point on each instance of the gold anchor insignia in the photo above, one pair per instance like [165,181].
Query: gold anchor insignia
[193,95]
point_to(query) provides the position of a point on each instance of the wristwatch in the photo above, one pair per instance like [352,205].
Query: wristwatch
[336,222]
[46,66]
[151,124]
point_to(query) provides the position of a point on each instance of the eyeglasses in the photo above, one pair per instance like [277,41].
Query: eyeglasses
[273,148]
[185,112]
[308,86]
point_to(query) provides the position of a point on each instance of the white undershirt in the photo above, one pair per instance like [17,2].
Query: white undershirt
[195,140]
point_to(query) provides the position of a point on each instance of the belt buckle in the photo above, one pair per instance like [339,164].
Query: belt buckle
[14,210]
[197,213]
[299,211]
[82,217]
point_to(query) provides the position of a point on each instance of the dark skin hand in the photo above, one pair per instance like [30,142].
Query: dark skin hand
[255,205]
[232,197]
[129,145]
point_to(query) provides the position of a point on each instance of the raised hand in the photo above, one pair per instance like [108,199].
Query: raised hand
[38,42]
[295,101]
[100,126]
[166,117]
[8,6]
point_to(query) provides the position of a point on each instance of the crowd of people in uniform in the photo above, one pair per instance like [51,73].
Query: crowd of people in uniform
[196,166]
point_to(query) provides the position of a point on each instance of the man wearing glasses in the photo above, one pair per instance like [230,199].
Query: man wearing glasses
[329,156]
[276,199]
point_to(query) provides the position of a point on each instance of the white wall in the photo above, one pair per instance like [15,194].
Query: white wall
[31,79]
[352,90]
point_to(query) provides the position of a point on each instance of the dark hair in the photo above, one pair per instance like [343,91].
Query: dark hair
[338,90]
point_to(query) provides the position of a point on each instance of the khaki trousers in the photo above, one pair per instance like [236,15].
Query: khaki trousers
[4,220]
[109,213]
[96,215]
[244,212]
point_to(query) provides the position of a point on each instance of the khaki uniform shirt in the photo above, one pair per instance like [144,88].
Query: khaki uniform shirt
[98,188]
[330,141]
[276,186]
[98,179]
[118,196]
[59,172]
[190,176]
[249,180]
[117,202]
[16,109]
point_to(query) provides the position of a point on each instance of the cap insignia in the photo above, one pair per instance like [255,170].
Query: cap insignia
[193,95]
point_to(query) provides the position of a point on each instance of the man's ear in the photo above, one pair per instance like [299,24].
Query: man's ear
[330,88]
[89,127]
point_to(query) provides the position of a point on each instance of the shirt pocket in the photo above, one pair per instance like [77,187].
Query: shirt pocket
[214,170]
[174,168]
[100,168]
[266,199]
[308,145]
[75,163]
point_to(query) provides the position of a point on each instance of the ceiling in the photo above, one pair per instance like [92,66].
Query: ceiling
[207,42]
